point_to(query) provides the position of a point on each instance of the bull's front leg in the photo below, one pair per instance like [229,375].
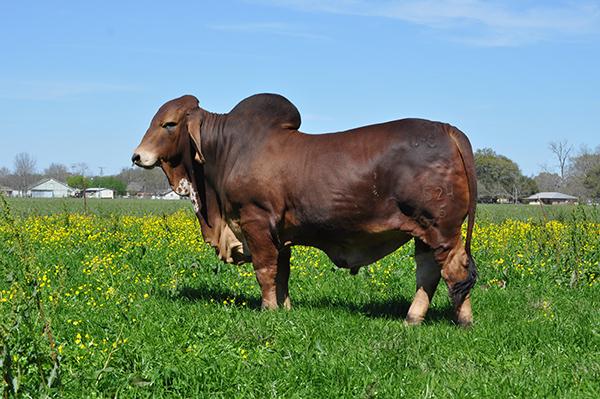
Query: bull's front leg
[271,265]
[272,270]
[266,272]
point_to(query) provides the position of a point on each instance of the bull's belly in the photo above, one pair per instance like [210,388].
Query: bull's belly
[356,250]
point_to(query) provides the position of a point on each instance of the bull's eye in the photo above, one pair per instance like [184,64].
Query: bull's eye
[169,125]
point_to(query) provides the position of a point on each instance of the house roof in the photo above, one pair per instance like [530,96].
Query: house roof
[92,189]
[4,188]
[551,196]
[46,180]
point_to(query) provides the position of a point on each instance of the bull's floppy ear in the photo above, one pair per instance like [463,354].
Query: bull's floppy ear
[194,121]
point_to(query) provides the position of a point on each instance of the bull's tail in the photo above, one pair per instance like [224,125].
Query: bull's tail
[462,288]
[466,155]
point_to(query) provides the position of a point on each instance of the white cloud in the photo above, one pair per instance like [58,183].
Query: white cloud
[486,23]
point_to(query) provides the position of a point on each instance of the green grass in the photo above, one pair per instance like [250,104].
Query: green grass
[538,213]
[139,307]
[347,347]
[104,207]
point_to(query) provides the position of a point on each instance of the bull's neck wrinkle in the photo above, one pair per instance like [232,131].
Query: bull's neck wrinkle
[212,128]
[213,124]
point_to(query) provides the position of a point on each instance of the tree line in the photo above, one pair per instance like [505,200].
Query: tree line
[499,177]
[576,174]
[25,174]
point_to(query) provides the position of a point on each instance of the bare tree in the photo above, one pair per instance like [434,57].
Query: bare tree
[580,166]
[80,168]
[57,171]
[4,176]
[547,181]
[24,171]
[561,149]
[142,180]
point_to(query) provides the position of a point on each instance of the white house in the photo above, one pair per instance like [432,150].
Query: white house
[551,198]
[98,192]
[50,188]
[171,195]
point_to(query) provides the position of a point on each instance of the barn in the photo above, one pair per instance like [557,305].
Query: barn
[50,188]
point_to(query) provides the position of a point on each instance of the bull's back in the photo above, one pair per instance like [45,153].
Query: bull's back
[359,176]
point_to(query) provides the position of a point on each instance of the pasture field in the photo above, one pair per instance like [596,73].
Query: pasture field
[100,207]
[485,212]
[126,301]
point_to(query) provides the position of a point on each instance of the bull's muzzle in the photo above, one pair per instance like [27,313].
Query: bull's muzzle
[144,160]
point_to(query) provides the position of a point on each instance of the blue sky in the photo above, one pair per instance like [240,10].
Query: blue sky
[80,81]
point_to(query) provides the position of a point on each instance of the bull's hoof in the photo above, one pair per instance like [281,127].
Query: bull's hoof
[412,321]
[465,323]
[269,306]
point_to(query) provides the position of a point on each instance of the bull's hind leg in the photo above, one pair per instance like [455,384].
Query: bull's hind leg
[460,273]
[428,277]
[282,278]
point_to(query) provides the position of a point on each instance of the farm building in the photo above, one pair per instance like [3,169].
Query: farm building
[98,192]
[551,198]
[50,188]
[7,191]
[170,195]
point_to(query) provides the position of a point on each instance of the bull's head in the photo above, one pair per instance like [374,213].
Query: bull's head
[167,142]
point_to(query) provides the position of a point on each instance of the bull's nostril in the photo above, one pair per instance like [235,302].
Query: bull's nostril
[135,158]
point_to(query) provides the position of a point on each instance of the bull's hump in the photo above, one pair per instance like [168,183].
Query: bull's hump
[269,109]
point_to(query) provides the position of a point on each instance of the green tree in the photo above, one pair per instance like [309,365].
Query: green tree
[527,186]
[500,177]
[592,182]
[78,181]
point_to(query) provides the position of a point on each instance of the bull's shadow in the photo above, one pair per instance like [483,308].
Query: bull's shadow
[391,309]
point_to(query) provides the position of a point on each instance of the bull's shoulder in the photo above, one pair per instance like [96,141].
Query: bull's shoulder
[268,109]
